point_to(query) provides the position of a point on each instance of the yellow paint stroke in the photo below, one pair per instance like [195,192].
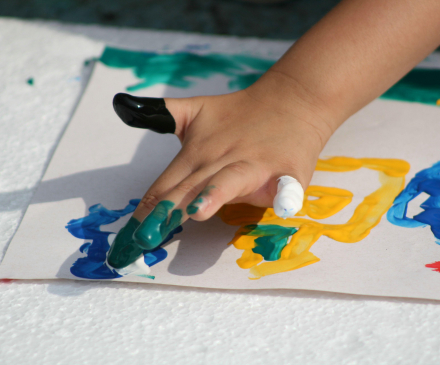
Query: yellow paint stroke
[296,253]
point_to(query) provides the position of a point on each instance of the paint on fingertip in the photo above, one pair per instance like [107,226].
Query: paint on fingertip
[158,225]
[124,251]
[138,268]
[30,81]
[145,113]
[198,202]
[289,198]
[94,261]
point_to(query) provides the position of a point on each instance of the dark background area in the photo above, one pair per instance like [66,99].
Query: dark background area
[286,20]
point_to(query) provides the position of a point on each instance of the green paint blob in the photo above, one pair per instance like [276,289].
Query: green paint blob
[30,81]
[124,250]
[192,207]
[158,224]
[420,85]
[271,241]
[182,69]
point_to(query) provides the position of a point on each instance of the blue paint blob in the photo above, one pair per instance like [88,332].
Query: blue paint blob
[426,181]
[93,266]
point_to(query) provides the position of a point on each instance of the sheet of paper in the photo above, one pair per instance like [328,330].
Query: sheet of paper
[342,241]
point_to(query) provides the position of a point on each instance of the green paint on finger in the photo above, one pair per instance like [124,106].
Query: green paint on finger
[193,207]
[124,249]
[158,224]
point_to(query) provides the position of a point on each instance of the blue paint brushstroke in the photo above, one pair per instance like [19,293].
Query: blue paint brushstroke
[93,266]
[426,181]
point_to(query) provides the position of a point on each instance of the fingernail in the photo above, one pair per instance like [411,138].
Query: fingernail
[124,251]
[145,113]
[200,202]
[158,224]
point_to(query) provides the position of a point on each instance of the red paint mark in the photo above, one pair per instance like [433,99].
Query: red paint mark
[435,266]
[6,280]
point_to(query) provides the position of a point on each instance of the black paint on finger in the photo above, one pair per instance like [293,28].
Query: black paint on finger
[145,113]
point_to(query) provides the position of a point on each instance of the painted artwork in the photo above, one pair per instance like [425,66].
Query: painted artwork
[93,265]
[369,223]
[426,181]
[270,244]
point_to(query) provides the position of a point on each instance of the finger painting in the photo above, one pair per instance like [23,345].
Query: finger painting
[272,232]
[369,224]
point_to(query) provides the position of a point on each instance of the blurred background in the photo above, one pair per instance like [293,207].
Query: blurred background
[277,20]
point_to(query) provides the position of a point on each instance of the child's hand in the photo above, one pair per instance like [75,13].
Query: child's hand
[234,148]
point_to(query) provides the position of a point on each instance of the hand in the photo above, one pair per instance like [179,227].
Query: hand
[234,148]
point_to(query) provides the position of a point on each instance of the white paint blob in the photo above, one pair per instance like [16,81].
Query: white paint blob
[289,198]
[139,267]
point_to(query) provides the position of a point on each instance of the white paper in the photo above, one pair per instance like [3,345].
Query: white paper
[102,161]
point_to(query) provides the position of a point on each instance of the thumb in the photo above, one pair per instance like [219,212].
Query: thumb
[157,114]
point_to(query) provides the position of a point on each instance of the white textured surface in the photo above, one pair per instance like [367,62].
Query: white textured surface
[67,322]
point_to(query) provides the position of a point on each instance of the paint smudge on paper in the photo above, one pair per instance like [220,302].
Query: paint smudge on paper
[6,281]
[296,253]
[426,181]
[420,85]
[435,266]
[93,266]
[182,69]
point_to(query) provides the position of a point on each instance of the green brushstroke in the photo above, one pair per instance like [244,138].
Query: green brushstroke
[30,81]
[193,207]
[420,85]
[124,249]
[147,276]
[158,224]
[271,241]
[182,69]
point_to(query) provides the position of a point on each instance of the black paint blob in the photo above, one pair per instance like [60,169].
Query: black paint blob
[145,113]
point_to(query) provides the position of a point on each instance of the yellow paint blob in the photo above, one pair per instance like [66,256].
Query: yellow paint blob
[328,201]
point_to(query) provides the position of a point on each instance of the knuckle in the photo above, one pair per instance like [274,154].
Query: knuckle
[239,167]
[148,202]
[187,189]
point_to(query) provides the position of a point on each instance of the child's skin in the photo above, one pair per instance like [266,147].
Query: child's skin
[240,143]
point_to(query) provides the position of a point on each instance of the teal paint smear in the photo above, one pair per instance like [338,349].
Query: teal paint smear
[182,70]
[420,85]
[157,226]
[192,207]
[272,239]
[124,250]
[30,81]
[93,264]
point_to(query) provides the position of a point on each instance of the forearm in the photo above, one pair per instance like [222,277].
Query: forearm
[354,54]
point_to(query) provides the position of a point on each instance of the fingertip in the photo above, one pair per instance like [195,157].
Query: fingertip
[289,199]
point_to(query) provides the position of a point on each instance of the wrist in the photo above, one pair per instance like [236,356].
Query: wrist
[286,95]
